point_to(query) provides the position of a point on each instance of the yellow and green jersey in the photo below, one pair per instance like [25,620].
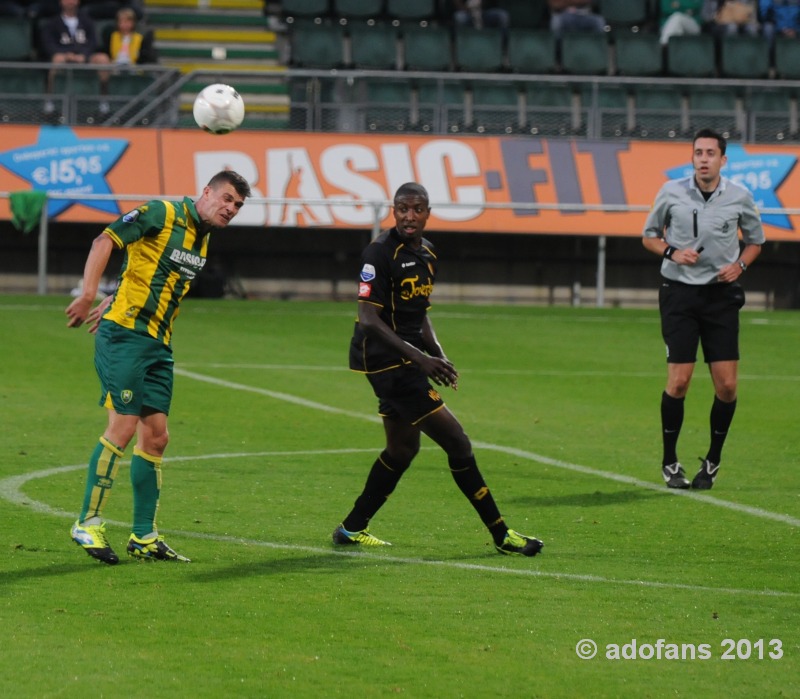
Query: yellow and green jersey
[165,247]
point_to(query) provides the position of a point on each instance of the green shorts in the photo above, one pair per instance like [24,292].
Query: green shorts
[135,370]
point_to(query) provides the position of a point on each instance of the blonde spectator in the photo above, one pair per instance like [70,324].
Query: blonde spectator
[126,45]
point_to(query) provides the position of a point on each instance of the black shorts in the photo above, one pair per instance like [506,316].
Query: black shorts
[706,314]
[405,393]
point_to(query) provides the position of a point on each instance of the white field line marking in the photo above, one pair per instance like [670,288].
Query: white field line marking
[499,372]
[11,490]
[520,453]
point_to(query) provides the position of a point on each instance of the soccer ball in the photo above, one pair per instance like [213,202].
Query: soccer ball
[218,109]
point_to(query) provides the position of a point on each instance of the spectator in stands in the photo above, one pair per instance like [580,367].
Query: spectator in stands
[127,46]
[481,13]
[680,18]
[780,18]
[574,16]
[71,37]
[732,17]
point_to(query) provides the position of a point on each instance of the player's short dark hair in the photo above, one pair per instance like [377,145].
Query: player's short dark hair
[710,133]
[411,189]
[232,178]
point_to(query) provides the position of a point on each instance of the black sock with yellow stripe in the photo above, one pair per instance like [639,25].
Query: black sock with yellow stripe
[381,482]
[469,479]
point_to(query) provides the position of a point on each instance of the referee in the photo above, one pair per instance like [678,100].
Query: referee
[694,226]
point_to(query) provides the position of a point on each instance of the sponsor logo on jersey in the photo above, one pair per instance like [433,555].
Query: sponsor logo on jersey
[187,258]
[409,288]
[131,216]
[433,394]
[364,289]
[367,273]
[407,264]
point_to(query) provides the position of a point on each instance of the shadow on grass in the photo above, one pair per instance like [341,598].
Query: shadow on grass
[48,570]
[321,563]
[595,499]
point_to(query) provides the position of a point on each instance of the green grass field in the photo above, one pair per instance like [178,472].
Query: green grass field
[271,439]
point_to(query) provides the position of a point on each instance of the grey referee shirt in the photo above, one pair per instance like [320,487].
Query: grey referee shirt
[686,220]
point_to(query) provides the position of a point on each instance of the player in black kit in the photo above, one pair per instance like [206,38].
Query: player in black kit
[395,345]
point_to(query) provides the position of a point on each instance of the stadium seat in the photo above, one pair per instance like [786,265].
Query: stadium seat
[772,115]
[584,53]
[744,57]
[291,10]
[316,46]
[440,106]
[691,56]
[659,112]
[550,109]
[388,105]
[531,51]
[16,39]
[715,108]
[787,58]
[348,10]
[625,14]
[373,47]
[638,55]
[427,48]
[479,50]
[496,107]
[527,14]
[411,10]
[611,106]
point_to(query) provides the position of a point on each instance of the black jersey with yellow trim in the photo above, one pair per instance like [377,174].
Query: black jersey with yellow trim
[399,280]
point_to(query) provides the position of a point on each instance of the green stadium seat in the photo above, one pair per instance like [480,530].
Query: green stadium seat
[531,51]
[479,50]
[715,108]
[550,109]
[625,14]
[744,57]
[316,46]
[357,9]
[427,48]
[373,46]
[638,55]
[440,106]
[527,14]
[388,105]
[496,107]
[691,56]
[584,53]
[411,10]
[787,58]
[659,112]
[770,115]
[16,39]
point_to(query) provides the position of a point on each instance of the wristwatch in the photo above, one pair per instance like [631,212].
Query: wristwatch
[743,265]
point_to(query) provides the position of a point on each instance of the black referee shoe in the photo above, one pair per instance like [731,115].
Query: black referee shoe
[674,476]
[706,476]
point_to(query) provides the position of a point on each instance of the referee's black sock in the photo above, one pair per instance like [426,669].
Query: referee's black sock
[381,482]
[470,481]
[721,418]
[671,423]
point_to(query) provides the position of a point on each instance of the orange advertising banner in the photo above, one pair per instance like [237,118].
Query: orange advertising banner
[556,186]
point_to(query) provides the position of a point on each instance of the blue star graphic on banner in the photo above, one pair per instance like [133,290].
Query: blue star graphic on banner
[61,163]
[761,173]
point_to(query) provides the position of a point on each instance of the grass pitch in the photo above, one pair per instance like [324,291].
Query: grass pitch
[683,594]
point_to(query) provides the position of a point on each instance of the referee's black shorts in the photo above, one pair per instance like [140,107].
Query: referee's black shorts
[706,314]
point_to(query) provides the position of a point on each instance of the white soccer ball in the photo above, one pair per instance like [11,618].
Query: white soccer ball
[218,109]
